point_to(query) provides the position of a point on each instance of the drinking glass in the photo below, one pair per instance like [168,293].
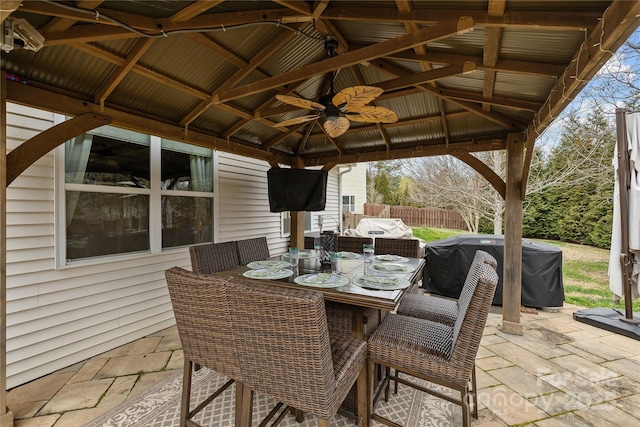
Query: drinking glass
[367,251]
[336,262]
[293,257]
[317,246]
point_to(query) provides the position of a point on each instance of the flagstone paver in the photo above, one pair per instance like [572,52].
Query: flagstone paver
[81,417]
[629,404]
[627,367]
[557,374]
[530,362]
[119,391]
[136,363]
[585,368]
[557,403]
[605,411]
[522,382]
[77,396]
[46,421]
[493,362]
[509,406]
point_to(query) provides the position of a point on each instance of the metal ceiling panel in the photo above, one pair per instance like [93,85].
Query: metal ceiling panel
[548,46]
[169,56]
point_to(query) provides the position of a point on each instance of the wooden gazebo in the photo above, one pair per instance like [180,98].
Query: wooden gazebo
[462,77]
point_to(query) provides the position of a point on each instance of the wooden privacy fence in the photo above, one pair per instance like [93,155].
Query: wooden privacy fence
[413,217]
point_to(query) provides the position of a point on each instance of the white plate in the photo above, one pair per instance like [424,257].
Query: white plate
[302,255]
[258,265]
[268,274]
[322,280]
[350,255]
[390,268]
[390,258]
[385,283]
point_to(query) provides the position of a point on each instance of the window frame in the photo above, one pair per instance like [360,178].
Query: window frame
[155,194]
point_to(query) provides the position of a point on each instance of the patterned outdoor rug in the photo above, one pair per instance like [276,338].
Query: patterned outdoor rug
[160,407]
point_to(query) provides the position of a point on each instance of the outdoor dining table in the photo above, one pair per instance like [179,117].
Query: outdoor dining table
[357,297]
[361,301]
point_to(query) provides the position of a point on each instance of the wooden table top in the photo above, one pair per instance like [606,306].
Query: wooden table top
[350,293]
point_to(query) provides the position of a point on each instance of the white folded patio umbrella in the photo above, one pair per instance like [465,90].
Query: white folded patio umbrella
[617,246]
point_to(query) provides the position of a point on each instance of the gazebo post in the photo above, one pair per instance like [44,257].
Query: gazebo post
[296,239]
[512,273]
[6,417]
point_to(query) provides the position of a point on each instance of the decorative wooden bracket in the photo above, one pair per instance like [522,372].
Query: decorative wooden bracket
[30,151]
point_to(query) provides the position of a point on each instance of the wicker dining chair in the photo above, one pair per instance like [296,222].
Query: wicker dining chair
[439,309]
[443,310]
[433,351]
[402,247]
[255,249]
[286,353]
[203,318]
[352,244]
[212,257]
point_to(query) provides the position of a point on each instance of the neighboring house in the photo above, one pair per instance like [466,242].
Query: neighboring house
[354,187]
[71,296]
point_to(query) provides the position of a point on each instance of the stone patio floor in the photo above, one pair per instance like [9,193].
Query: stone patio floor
[560,372]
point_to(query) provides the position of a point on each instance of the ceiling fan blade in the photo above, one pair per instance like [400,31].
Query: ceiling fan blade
[371,114]
[300,102]
[296,120]
[336,126]
[355,96]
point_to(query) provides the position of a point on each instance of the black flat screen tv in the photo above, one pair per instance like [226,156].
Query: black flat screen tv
[297,189]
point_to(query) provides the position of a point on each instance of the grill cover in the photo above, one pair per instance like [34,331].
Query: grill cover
[449,260]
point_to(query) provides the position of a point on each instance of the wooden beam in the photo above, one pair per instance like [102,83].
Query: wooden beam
[297,6]
[512,274]
[517,104]
[426,150]
[406,41]
[479,166]
[489,115]
[194,9]
[6,417]
[505,65]
[68,105]
[141,70]
[7,8]
[117,76]
[426,76]
[240,74]
[62,24]
[31,150]
[292,131]
[561,20]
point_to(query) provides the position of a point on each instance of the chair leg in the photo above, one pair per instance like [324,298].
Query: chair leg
[244,415]
[371,386]
[323,422]
[186,392]
[464,403]
[387,373]
[362,393]
[475,392]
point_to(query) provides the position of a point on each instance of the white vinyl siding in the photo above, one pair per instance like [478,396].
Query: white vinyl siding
[58,317]
[354,183]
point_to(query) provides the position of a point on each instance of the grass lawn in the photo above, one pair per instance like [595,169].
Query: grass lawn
[584,270]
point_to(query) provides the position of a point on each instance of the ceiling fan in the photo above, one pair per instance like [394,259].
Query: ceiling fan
[337,109]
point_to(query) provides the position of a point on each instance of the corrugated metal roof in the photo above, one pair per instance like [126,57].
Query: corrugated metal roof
[179,73]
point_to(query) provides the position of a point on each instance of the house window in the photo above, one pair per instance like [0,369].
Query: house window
[349,203]
[116,199]
[286,222]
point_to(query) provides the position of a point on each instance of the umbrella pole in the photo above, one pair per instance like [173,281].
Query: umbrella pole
[624,180]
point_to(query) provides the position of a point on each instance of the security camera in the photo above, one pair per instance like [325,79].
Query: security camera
[18,33]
